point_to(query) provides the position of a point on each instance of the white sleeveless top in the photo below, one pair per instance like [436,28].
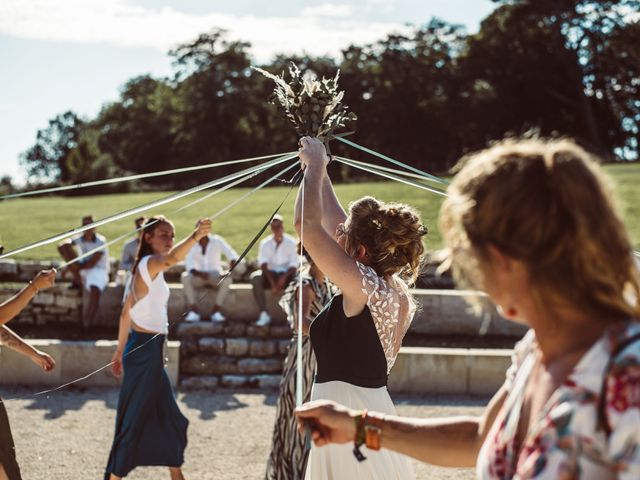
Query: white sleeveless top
[150,311]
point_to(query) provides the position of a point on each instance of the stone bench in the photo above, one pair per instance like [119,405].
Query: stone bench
[74,359]
[417,370]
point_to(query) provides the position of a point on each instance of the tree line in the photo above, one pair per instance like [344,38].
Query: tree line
[554,67]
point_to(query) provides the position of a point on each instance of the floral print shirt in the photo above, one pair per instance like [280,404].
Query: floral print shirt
[569,440]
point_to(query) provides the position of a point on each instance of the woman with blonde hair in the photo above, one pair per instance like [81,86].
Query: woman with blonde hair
[150,429]
[370,254]
[532,223]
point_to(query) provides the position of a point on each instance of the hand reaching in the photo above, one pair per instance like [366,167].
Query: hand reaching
[329,422]
[44,279]
[312,152]
[43,360]
[203,228]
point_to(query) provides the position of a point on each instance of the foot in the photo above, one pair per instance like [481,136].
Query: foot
[217,317]
[192,317]
[264,319]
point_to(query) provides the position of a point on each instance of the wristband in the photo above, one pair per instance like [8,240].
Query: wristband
[359,437]
[34,286]
[372,432]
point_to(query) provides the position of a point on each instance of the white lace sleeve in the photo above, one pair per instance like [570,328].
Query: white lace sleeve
[391,308]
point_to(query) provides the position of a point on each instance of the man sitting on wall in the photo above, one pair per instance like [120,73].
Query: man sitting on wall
[204,269]
[278,260]
[92,273]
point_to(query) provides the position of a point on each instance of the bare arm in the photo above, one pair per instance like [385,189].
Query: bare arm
[124,326]
[447,442]
[12,307]
[12,340]
[308,296]
[332,212]
[322,246]
[160,263]
[93,260]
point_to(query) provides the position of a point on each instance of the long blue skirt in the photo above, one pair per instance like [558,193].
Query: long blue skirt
[150,429]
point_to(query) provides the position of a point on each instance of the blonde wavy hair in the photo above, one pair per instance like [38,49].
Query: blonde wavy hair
[391,234]
[548,204]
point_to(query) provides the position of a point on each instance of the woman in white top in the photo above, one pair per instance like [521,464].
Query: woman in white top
[370,254]
[150,429]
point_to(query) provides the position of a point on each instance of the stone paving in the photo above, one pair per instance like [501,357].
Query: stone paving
[68,434]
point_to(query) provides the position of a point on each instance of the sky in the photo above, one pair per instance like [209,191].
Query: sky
[76,54]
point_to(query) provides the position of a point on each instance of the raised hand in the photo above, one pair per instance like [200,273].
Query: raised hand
[312,152]
[203,228]
[44,279]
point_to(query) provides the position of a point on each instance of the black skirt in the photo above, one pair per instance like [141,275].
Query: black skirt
[7,448]
[150,429]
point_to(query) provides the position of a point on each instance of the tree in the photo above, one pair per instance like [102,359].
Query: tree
[47,159]
[137,131]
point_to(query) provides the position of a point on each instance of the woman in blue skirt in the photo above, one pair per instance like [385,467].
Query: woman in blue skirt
[150,429]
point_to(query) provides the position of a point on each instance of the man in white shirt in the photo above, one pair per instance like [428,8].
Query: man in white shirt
[278,260]
[204,269]
[92,272]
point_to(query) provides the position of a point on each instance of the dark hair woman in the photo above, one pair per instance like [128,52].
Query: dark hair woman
[150,429]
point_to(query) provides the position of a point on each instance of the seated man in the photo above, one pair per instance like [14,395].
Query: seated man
[278,260]
[204,269]
[93,272]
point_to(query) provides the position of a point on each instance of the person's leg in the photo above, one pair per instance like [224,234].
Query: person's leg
[68,253]
[176,473]
[92,309]
[257,282]
[114,477]
[189,283]
[221,290]
[3,474]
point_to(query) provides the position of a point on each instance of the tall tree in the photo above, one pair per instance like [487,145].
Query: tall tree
[47,159]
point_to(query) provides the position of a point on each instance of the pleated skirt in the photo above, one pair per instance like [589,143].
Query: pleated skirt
[150,429]
[337,462]
[7,448]
[289,453]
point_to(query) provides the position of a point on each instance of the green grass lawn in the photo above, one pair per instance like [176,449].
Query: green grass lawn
[28,220]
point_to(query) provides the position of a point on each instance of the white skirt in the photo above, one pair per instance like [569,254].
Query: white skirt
[337,462]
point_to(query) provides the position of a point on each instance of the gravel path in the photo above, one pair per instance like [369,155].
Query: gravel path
[68,435]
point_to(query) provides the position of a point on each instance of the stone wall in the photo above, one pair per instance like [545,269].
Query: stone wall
[234,355]
[50,307]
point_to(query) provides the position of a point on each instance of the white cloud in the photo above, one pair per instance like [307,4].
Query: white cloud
[328,10]
[120,23]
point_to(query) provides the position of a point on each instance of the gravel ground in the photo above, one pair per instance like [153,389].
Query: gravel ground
[68,434]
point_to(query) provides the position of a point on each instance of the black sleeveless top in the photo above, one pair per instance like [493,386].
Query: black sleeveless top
[347,349]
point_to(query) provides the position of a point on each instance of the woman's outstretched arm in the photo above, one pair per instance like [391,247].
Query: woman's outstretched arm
[12,307]
[446,442]
[12,340]
[160,263]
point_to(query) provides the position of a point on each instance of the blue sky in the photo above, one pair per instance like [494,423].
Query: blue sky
[75,54]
